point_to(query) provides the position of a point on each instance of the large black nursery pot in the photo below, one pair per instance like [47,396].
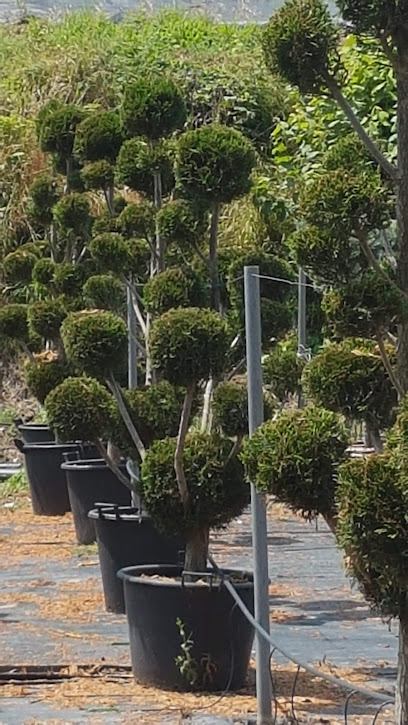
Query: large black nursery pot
[34,432]
[127,538]
[48,483]
[89,481]
[160,601]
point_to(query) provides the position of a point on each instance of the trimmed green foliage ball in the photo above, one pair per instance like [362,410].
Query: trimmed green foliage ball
[365,307]
[215,163]
[69,278]
[295,458]
[137,220]
[153,107]
[56,127]
[44,271]
[18,267]
[72,213]
[80,409]
[139,254]
[348,153]
[103,223]
[110,251]
[218,490]
[13,322]
[269,266]
[44,374]
[104,292]
[282,370]
[181,222]
[372,497]
[326,256]
[99,137]
[45,318]
[98,175]
[95,341]
[188,345]
[350,378]
[300,43]
[230,408]
[175,287]
[344,203]
[137,163]
[155,411]
[44,195]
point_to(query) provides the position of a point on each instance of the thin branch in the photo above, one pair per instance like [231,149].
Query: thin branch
[235,449]
[387,249]
[214,277]
[388,366]
[27,351]
[236,369]
[136,299]
[117,394]
[201,254]
[388,51]
[207,404]
[112,465]
[181,439]
[391,338]
[375,152]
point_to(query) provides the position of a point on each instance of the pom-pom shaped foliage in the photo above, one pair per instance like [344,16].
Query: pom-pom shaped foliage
[350,378]
[18,267]
[282,370]
[346,203]
[217,487]
[110,251]
[230,408]
[188,344]
[348,153]
[385,18]
[269,266]
[13,322]
[326,256]
[103,223]
[181,222]
[98,175]
[175,287]
[44,271]
[155,412]
[138,162]
[56,126]
[80,409]
[300,43]
[69,278]
[215,163]
[44,374]
[137,220]
[44,195]
[296,457]
[45,318]
[95,341]
[153,107]
[99,137]
[104,292]
[72,213]
[364,307]
[373,529]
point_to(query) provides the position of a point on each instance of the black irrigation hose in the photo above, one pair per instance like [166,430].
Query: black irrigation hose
[369,694]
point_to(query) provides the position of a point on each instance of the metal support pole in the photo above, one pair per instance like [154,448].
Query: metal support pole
[258,507]
[132,347]
[301,322]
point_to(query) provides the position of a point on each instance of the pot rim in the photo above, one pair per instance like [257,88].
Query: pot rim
[31,426]
[89,464]
[132,574]
[111,512]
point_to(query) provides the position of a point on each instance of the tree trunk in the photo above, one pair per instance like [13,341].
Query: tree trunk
[401,693]
[197,549]
[214,275]
[374,437]
[402,211]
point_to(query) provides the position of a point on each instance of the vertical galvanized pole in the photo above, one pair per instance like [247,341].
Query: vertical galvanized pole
[132,347]
[259,529]
[301,322]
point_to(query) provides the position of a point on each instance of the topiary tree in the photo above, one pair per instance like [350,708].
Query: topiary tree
[214,166]
[175,287]
[349,378]
[282,370]
[105,292]
[295,457]
[44,373]
[230,409]
[56,125]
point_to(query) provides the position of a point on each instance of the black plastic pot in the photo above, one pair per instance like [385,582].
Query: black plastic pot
[89,481]
[48,483]
[126,539]
[221,636]
[34,432]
